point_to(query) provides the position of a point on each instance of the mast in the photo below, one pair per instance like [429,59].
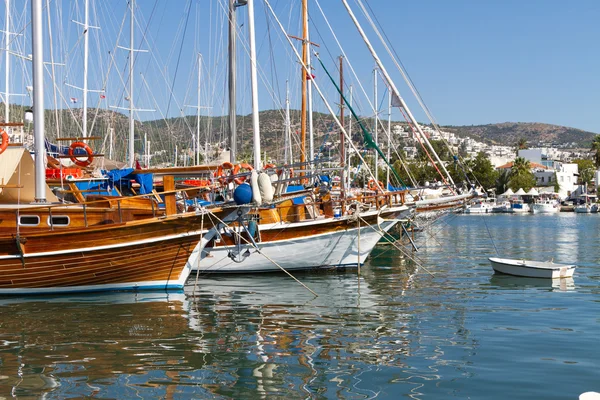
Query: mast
[376,112]
[232,83]
[131,151]
[287,154]
[7,69]
[254,85]
[198,114]
[86,28]
[311,138]
[349,135]
[342,141]
[38,99]
[397,100]
[304,85]
[389,129]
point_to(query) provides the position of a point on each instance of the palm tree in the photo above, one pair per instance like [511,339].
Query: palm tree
[520,166]
[596,149]
[521,175]
[521,144]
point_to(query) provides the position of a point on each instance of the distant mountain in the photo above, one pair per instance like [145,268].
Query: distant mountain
[179,132]
[536,134]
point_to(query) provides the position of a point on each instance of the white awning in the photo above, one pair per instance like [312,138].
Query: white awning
[520,192]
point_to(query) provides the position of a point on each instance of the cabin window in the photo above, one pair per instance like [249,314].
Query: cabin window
[542,179]
[29,220]
[59,220]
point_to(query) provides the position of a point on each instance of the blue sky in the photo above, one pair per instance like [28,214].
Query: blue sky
[474,62]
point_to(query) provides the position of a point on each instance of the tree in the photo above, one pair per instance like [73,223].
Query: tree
[484,171]
[521,175]
[586,170]
[521,144]
[596,149]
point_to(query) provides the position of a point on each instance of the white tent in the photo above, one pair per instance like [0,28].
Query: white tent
[533,192]
[509,192]
[17,177]
[520,192]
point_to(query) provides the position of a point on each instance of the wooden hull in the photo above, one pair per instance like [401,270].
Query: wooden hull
[149,254]
[532,269]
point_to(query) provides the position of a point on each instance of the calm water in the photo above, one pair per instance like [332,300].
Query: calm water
[395,332]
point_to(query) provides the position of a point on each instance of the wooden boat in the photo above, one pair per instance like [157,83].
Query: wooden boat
[532,269]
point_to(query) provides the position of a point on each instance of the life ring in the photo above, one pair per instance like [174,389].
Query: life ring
[88,150]
[268,166]
[220,175]
[373,185]
[241,179]
[4,143]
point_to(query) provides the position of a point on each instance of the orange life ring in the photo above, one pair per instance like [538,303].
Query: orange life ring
[268,166]
[373,185]
[220,175]
[241,179]
[88,151]
[4,143]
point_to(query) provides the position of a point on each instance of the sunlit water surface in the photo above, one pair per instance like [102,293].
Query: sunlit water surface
[396,331]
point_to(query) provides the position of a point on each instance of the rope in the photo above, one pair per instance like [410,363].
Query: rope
[490,235]
[367,136]
[266,256]
[403,251]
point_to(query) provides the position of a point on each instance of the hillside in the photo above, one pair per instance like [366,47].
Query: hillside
[536,134]
[179,132]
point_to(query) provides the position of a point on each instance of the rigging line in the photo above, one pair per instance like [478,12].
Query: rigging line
[403,72]
[259,251]
[370,104]
[426,151]
[490,235]
[369,142]
[318,89]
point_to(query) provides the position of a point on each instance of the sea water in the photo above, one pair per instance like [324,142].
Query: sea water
[436,323]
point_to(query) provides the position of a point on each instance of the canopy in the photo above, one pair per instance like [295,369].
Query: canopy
[509,192]
[520,192]
[533,192]
[17,175]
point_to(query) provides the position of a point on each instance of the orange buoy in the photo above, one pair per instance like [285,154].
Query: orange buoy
[4,143]
[241,179]
[220,174]
[75,158]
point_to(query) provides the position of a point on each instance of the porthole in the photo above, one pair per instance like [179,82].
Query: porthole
[29,220]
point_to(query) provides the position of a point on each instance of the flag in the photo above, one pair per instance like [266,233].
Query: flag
[309,76]
[102,96]
[73,100]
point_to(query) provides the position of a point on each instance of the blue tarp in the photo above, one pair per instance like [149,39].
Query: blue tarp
[296,188]
[122,178]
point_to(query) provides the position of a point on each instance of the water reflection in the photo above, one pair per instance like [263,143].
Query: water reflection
[517,282]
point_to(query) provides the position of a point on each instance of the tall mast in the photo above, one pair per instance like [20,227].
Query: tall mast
[254,85]
[389,129]
[376,112]
[397,100]
[232,86]
[287,154]
[7,69]
[37,39]
[304,85]
[349,134]
[131,107]
[342,141]
[309,102]
[86,28]
[198,115]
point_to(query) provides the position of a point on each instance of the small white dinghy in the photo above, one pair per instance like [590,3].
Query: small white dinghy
[532,269]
